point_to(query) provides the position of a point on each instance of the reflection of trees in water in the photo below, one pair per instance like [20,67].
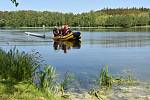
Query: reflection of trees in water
[66,45]
[132,43]
[122,41]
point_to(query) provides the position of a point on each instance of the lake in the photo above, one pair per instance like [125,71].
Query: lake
[123,51]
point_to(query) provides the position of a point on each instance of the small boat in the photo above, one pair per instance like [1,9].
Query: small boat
[35,34]
[70,36]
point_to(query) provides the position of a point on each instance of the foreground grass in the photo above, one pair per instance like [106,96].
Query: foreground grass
[23,91]
[20,70]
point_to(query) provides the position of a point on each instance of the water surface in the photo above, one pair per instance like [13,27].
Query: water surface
[121,51]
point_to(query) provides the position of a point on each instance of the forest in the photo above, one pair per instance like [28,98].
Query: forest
[107,17]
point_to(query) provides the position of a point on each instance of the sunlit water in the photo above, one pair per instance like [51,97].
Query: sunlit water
[121,51]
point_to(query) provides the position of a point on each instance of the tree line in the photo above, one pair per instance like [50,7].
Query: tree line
[107,17]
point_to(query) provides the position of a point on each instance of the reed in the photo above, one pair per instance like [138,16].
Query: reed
[47,80]
[49,84]
[105,79]
[18,66]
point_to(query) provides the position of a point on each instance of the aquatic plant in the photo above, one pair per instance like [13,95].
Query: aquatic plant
[105,79]
[66,81]
[148,87]
[18,66]
[48,83]
[126,78]
[105,82]
[47,78]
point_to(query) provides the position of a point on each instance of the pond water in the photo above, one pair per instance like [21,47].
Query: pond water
[123,52]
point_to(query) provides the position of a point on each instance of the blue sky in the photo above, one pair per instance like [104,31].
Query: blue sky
[75,6]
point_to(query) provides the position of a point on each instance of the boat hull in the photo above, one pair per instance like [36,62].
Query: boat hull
[70,36]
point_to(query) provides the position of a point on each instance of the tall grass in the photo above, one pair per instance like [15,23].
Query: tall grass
[48,83]
[105,79]
[47,78]
[105,82]
[18,66]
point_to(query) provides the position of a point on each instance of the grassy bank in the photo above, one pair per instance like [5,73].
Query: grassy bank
[20,77]
[23,91]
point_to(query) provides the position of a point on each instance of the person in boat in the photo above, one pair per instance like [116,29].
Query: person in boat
[61,30]
[56,31]
[65,30]
[69,30]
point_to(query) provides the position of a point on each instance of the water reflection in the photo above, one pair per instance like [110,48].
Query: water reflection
[66,45]
[119,39]
[124,43]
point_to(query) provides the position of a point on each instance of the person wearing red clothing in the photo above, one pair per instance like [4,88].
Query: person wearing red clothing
[65,30]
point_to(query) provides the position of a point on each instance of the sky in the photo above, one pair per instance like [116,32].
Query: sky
[71,6]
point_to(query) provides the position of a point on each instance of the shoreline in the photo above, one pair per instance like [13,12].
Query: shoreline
[99,27]
[139,91]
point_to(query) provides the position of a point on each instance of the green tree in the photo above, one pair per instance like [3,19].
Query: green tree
[2,22]
[109,18]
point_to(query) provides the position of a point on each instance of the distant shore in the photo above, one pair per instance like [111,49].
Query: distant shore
[99,27]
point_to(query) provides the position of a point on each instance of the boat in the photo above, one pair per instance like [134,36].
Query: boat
[70,36]
[35,34]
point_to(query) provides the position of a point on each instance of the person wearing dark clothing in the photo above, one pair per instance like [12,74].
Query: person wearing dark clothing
[55,31]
